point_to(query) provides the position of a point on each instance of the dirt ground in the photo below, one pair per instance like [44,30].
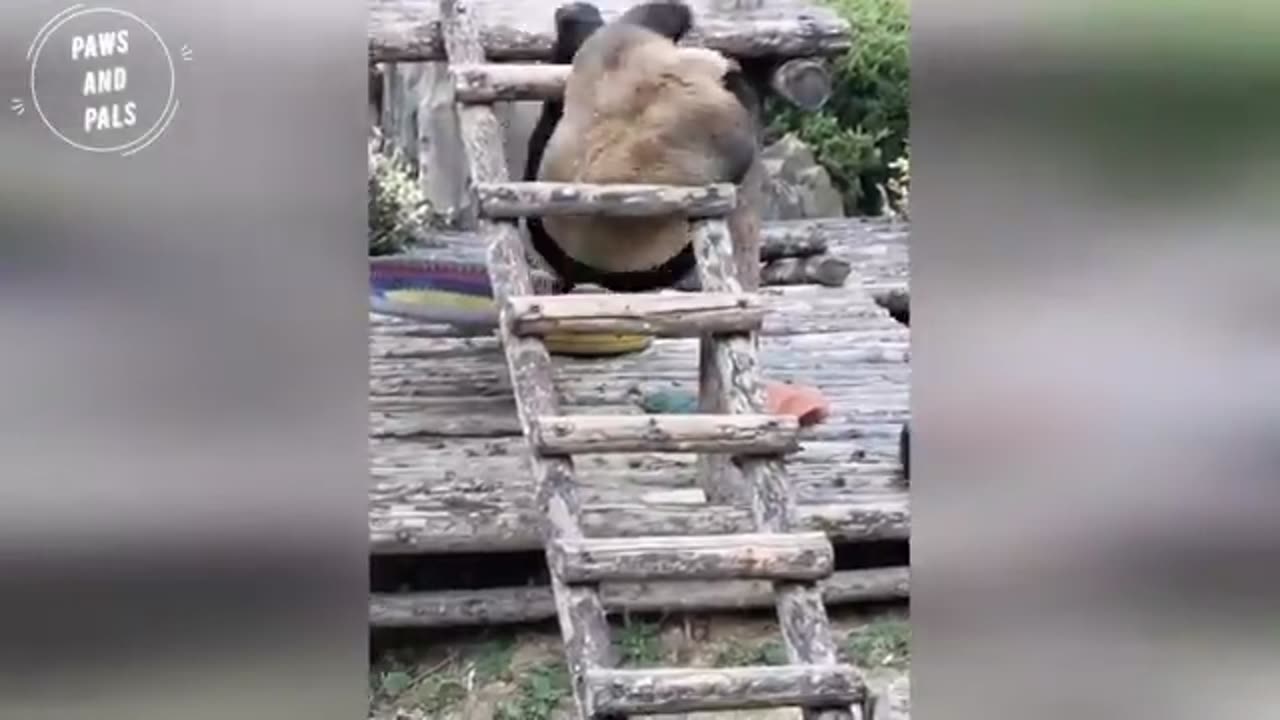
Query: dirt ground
[519,673]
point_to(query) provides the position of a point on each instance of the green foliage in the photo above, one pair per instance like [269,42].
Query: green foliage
[864,126]
[493,659]
[882,643]
[396,202]
[640,644]
[430,690]
[741,654]
[541,691]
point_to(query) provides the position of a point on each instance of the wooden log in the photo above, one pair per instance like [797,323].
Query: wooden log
[473,527]
[804,82]
[511,200]
[684,690]
[423,425]
[717,273]
[578,608]
[815,269]
[509,81]
[660,314]
[897,302]
[516,605]
[410,31]
[779,238]
[793,556]
[737,434]
[802,617]
[783,242]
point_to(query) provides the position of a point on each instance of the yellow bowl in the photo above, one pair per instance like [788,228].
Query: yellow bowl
[596,344]
[462,308]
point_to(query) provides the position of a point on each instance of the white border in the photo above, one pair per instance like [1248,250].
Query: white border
[164,115]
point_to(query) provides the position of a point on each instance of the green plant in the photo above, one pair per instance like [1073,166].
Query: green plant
[881,643]
[864,125]
[899,187]
[541,691]
[433,689]
[740,654]
[492,659]
[640,644]
[396,202]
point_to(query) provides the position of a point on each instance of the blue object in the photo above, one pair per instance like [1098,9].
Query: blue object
[670,402]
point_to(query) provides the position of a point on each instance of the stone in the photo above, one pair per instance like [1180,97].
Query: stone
[797,187]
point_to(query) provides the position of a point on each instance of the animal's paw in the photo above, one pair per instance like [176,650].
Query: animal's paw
[574,13]
[669,18]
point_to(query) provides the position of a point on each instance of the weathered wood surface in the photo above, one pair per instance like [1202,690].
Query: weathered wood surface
[731,379]
[513,605]
[667,691]
[409,30]
[509,81]
[804,82]
[876,248]
[738,434]
[793,556]
[580,613]
[460,522]
[450,472]
[662,315]
[512,200]
[815,269]
[717,272]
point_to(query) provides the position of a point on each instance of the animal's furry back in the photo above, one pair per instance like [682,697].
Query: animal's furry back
[639,109]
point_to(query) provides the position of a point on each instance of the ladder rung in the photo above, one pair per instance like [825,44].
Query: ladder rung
[756,556]
[634,692]
[512,200]
[711,433]
[499,82]
[664,315]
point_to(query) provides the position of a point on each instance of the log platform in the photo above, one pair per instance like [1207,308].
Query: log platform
[450,471]
[409,30]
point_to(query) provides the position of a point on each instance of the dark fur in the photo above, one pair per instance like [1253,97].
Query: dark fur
[904,450]
[575,23]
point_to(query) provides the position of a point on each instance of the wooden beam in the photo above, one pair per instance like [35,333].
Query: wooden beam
[410,31]
[757,434]
[789,556]
[662,315]
[803,82]
[473,527]
[685,690]
[500,82]
[578,609]
[517,605]
[511,200]
[781,241]
[731,369]
[826,270]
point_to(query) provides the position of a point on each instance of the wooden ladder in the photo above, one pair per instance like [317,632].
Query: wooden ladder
[725,317]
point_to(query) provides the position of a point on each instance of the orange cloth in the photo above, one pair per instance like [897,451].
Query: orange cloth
[807,404]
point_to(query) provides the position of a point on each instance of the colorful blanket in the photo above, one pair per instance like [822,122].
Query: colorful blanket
[459,294]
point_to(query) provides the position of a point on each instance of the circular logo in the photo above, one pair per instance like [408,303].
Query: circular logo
[102,80]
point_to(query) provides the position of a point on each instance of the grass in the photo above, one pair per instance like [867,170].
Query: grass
[433,686]
[738,654]
[883,643]
[640,644]
[435,683]
[541,690]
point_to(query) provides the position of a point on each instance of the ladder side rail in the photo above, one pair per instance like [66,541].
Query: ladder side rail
[578,607]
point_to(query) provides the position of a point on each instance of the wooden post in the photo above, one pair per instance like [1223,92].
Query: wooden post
[803,82]
[578,607]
